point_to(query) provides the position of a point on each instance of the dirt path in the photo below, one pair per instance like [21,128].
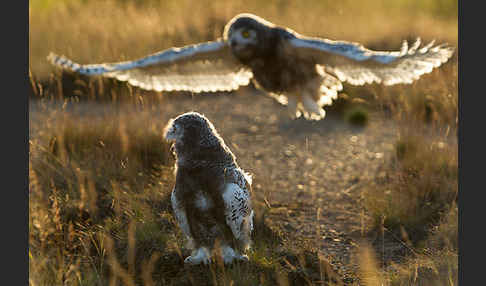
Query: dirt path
[308,175]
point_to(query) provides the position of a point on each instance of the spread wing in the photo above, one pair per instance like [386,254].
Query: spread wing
[357,65]
[238,210]
[205,67]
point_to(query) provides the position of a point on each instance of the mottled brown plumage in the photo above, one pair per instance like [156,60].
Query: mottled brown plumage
[211,196]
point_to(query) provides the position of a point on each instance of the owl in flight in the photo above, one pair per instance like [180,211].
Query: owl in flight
[211,199]
[304,73]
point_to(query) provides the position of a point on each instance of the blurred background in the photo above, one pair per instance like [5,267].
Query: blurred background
[93,31]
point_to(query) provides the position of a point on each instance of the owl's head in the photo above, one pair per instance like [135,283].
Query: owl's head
[246,34]
[191,128]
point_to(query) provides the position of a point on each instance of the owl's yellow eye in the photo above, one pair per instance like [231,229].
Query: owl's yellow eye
[245,34]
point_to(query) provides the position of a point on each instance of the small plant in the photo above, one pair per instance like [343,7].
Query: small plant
[357,116]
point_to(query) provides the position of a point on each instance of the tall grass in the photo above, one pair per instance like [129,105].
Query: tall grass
[99,211]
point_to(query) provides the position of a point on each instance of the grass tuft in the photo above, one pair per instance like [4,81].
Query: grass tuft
[357,116]
[419,187]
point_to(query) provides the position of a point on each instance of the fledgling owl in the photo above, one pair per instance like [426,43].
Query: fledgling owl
[304,73]
[211,196]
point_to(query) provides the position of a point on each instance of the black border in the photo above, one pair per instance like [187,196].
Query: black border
[469,115]
[15,133]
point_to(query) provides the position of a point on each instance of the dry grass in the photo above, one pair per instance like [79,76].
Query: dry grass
[437,262]
[419,184]
[98,205]
[99,210]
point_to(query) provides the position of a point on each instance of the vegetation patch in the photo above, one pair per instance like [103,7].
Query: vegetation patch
[357,116]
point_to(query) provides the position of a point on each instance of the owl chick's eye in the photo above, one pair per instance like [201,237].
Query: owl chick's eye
[245,33]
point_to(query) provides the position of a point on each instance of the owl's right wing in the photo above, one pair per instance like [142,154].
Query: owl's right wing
[357,65]
[238,209]
[204,67]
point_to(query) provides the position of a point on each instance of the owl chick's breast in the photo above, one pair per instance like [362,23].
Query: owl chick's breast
[203,202]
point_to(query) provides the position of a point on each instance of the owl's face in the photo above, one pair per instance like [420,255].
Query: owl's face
[242,41]
[173,131]
[245,34]
[187,127]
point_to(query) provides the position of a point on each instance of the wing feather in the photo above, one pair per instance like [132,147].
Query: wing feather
[357,65]
[238,209]
[202,67]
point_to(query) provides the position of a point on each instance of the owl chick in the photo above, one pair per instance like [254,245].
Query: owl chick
[304,73]
[211,197]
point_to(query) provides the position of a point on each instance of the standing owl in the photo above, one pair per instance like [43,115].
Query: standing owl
[301,72]
[211,197]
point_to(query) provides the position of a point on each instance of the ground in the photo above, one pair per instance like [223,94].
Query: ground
[306,174]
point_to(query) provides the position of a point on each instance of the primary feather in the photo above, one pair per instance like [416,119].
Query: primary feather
[357,65]
[205,67]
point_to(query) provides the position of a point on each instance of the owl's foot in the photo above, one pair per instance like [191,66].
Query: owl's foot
[230,255]
[200,255]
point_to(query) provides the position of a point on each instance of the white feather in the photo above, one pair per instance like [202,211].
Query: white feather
[202,202]
[205,67]
[353,51]
[357,65]
[237,209]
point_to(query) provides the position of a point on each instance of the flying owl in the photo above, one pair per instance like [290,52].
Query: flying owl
[211,196]
[304,73]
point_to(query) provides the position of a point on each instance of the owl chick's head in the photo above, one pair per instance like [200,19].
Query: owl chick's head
[191,128]
[246,34]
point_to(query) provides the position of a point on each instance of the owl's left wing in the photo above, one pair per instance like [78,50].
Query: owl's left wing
[204,67]
[357,65]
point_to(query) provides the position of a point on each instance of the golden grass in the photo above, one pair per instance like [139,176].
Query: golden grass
[99,210]
[420,181]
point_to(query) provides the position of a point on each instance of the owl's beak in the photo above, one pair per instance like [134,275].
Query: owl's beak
[168,130]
